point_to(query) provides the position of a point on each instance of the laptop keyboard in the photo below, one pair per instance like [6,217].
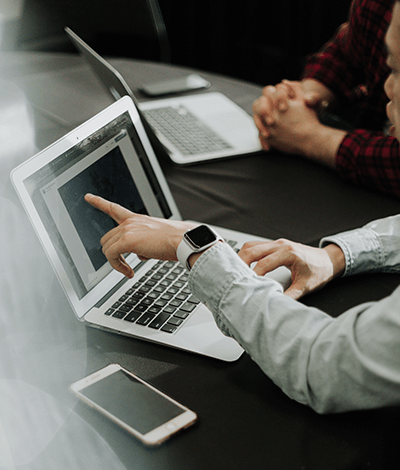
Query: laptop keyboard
[161,299]
[187,133]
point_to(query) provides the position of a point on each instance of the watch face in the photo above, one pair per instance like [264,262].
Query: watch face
[201,236]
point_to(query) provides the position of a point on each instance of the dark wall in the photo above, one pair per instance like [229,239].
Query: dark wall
[261,41]
[258,40]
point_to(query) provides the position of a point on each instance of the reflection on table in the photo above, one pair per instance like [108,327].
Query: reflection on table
[244,419]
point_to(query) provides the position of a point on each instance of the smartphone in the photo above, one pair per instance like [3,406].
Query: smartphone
[176,85]
[134,404]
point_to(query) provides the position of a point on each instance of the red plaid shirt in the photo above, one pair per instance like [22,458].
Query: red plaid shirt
[353,66]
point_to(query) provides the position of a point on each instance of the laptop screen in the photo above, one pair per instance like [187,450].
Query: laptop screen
[111,163]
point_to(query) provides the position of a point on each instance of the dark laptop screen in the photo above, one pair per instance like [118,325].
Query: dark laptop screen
[111,163]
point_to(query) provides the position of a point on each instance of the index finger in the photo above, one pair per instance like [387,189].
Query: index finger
[115,211]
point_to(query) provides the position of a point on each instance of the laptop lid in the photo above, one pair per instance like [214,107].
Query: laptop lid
[52,184]
[214,112]
[116,85]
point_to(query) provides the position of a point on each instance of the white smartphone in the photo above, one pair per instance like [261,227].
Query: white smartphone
[176,85]
[134,404]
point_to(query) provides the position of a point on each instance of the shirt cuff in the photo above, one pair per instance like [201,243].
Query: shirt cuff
[362,250]
[211,277]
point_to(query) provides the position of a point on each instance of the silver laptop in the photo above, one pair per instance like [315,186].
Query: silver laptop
[189,129]
[111,156]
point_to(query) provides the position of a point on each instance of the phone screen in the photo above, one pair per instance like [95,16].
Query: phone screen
[132,402]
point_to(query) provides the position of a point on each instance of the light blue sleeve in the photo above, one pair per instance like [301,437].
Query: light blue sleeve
[331,364]
[375,247]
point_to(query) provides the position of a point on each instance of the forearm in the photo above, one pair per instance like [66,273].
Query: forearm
[328,364]
[371,159]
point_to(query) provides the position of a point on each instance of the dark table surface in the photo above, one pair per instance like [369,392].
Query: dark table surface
[245,421]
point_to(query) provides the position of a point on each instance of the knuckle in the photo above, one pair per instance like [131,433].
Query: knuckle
[246,246]
[286,245]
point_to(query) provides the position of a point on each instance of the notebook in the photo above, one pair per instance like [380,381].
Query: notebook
[188,129]
[111,156]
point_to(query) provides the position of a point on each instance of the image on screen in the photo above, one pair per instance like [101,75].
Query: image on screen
[105,178]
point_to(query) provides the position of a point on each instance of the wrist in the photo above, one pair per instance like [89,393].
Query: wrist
[176,235]
[323,144]
[195,256]
[337,258]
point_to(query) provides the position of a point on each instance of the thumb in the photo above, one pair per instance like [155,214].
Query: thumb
[312,99]
[295,291]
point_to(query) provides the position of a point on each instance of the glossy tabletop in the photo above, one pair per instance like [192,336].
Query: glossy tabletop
[245,421]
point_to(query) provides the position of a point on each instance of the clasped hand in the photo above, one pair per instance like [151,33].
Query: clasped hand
[287,117]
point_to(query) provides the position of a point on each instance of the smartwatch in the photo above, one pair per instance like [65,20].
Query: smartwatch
[196,240]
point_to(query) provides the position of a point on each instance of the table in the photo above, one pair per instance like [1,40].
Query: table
[245,421]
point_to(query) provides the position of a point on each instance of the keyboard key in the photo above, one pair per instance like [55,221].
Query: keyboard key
[188,307]
[182,297]
[119,314]
[173,290]
[169,309]
[145,319]
[141,307]
[125,308]
[181,314]
[175,321]
[133,316]
[167,296]
[138,295]
[159,321]
[168,328]
[154,309]
[132,301]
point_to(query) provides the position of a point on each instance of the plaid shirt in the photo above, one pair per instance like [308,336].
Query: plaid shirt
[353,66]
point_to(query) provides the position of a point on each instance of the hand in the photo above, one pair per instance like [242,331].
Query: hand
[315,95]
[272,97]
[311,268]
[292,125]
[148,237]
[298,130]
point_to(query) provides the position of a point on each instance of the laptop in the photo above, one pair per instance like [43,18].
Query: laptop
[110,155]
[188,129]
